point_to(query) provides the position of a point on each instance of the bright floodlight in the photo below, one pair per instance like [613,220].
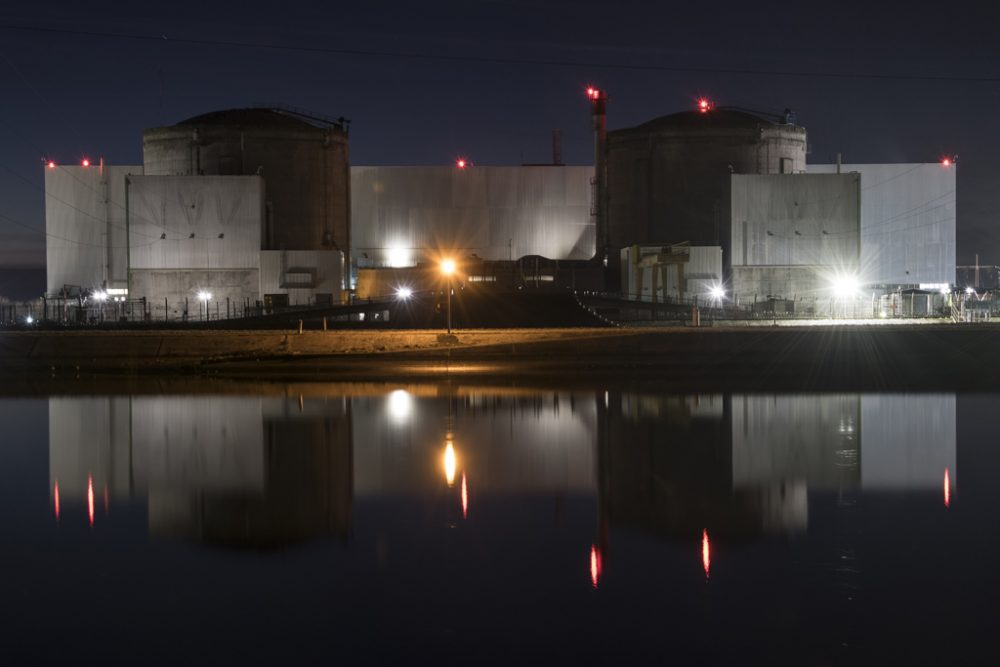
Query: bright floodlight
[970,290]
[447,266]
[29,319]
[403,293]
[717,293]
[399,256]
[845,286]
[204,296]
[100,296]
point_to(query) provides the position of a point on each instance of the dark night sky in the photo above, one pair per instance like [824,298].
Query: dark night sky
[70,95]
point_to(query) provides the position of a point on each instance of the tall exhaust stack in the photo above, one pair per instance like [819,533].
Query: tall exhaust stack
[599,102]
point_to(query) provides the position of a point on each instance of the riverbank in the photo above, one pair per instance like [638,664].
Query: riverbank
[885,357]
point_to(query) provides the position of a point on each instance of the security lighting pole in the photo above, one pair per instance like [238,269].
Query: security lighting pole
[448,268]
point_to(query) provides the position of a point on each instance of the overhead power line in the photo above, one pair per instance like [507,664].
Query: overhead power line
[496,60]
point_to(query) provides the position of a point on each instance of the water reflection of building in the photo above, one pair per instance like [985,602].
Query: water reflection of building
[257,471]
[505,442]
[243,471]
[742,465]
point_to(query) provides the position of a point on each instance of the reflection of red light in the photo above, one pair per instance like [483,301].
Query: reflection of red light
[706,560]
[465,498]
[55,499]
[595,565]
[105,498]
[90,499]
[947,489]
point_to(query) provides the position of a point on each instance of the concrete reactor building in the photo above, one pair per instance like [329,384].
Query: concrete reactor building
[237,207]
[261,207]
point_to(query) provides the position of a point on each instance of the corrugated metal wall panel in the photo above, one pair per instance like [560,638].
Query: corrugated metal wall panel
[491,212]
[84,206]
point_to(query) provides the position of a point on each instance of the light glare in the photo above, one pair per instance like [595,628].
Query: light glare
[450,463]
[448,266]
[845,286]
[400,405]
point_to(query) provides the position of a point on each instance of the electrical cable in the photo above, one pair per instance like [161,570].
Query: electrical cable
[493,60]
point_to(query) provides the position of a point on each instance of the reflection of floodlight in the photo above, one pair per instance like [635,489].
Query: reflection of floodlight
[845,286]
[204,296]
[400,405]
[717,293]
[447,266]
[403,293]
[450,463]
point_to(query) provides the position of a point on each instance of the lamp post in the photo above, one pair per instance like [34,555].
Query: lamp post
[448,268]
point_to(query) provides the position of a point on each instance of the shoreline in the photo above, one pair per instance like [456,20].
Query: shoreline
[808,358]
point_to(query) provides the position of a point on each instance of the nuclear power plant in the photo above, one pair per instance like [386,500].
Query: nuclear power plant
[259,209]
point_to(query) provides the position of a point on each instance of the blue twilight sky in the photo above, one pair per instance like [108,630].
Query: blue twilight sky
[68,95]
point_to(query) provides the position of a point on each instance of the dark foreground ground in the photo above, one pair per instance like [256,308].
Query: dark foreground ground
[960,357]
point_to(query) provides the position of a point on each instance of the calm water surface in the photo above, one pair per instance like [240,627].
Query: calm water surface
[451,525]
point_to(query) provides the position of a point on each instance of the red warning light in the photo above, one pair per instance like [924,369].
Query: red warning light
[704,105]
[946,162]
[52,164]
[593,93]
[461,163]
[86,162]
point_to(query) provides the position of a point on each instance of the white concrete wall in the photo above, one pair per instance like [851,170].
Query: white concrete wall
[908,220]
[319,272]
[791,234]
[223,213]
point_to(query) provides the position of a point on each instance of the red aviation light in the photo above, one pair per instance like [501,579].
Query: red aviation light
[946,162]
[596,566]
[706,557]
[52,164]
[85,162]
[461,163]
[704,105]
